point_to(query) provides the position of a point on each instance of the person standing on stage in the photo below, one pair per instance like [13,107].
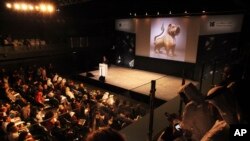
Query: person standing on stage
[105,60]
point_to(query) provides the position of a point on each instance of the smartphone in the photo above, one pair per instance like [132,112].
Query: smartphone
[177,127]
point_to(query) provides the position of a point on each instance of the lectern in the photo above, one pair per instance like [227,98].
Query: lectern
[103,71]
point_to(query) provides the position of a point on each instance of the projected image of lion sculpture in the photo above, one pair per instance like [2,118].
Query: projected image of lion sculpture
[167,40]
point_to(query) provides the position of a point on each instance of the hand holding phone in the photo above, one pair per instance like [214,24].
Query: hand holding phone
[177,127]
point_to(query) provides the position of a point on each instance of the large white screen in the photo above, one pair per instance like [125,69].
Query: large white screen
[153,39]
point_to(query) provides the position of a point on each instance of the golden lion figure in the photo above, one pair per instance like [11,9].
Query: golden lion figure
[167,40]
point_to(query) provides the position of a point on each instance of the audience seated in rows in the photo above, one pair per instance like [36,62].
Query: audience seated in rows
[47,105]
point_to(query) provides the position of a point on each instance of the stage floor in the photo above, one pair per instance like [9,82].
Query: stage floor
[140,81]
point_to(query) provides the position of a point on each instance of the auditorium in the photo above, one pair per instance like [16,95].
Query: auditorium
[124,70]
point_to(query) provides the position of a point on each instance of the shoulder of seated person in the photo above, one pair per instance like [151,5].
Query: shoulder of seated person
[213,90]
[191,104]
[231,85]
[183,87]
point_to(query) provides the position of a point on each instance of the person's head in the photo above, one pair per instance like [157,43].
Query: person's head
[67,89]
[45,86]
[25,136]
[27,105]
[57,124]
[40,87]
[105,134]
[232,72]
[81,85]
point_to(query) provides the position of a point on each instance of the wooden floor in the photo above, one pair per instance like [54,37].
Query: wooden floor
[140,81]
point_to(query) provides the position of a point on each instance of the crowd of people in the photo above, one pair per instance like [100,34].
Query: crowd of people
[22,44]
[36,103]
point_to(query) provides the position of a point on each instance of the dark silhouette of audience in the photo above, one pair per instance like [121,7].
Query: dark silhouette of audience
[105,134]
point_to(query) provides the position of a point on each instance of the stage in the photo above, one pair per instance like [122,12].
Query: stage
[139,81]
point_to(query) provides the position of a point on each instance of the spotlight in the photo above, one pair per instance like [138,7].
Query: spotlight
[31,7]
[130,14]
[186,12]
[158,13]
[43,8]
[170,12]
[9,5]
[146,14]
[17,6]
[203,11]
[135,14]
[50,8]
[24,6]
[37,7]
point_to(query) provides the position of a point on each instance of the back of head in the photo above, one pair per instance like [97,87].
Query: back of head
[232,73]
[105,134]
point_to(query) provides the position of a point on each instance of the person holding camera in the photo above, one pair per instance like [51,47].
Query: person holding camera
[173,131]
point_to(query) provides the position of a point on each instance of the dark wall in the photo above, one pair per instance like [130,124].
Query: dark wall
[51,28]
[165,66]
[56,30]
[68,62]
[122,52]
[58,60]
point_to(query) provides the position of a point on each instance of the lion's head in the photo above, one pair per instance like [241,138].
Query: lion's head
[173,29]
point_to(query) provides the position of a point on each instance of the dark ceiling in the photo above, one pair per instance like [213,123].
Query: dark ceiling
[121,8]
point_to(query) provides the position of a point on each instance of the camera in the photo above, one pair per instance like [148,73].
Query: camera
[170,117]
[167,114]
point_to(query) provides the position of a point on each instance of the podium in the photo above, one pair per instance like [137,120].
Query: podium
[103,69]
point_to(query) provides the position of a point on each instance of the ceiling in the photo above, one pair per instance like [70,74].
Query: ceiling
[121,8]
[70,2]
